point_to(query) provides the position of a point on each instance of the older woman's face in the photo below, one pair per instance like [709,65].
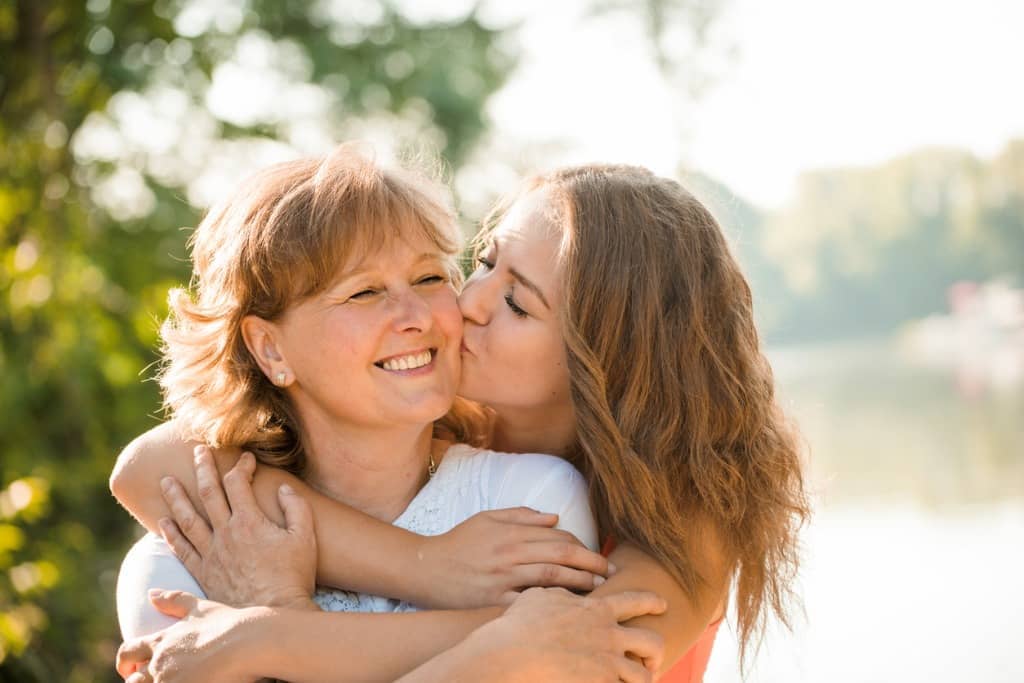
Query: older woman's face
[513,353]
[380,347]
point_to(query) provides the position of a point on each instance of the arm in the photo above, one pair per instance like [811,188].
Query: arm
[546,634]
[687,616]
[215,642]
[162,452]
[477,563]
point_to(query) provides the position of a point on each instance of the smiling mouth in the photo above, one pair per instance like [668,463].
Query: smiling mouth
[408,361]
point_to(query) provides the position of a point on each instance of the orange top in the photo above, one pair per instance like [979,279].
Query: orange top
[691,666]
[690,669]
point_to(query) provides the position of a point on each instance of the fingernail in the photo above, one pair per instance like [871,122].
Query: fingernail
[287,490]
[166,483]
[156,592]
[612,569]
[598,580]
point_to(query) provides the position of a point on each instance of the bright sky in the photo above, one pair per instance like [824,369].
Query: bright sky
[814,83]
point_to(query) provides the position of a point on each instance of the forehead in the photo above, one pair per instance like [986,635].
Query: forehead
[529,239]
[397,246]
[530,225]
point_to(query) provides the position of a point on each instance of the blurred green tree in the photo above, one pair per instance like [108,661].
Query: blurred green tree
[108,113]
[119,121]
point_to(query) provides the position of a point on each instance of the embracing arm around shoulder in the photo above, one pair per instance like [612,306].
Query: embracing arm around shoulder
[163,452]
[477,563]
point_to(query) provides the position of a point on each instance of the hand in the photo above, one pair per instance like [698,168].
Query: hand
[203,646]
[550,634]
[242,558]
[490,557]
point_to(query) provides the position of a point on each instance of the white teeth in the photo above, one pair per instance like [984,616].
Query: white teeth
[410,362]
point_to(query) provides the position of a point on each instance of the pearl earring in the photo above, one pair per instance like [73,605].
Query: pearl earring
[280,378]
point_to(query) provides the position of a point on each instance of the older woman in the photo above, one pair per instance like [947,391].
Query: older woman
[608,322]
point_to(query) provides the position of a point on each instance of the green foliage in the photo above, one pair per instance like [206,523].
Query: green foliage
[91,211]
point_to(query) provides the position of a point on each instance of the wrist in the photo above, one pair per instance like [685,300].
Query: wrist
[257,629]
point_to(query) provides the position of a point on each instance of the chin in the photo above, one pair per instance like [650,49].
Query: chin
[434,407]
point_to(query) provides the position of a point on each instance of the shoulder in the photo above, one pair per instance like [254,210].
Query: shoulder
[502,466]
[534,466]
[534,479]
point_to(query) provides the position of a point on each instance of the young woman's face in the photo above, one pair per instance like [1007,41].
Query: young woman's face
[513,356]
[380,347]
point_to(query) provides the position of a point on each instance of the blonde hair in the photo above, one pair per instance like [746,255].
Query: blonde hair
[677,428]
[279,238]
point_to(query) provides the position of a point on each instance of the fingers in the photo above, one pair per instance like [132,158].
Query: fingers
[194,527]
[210,491]
[183,550]
[133,655]
[177,604]
[645,644]
[523,515]
[630,604]
[555,575]
[238,485]
[139,677]
[567,553]
[633,672]
[298,517]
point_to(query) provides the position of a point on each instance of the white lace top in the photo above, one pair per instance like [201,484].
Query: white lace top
[467,481]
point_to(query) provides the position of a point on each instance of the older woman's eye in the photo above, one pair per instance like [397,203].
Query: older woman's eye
[364,294]
[432,280]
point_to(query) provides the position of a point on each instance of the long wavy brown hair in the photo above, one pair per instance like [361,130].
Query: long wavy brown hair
[678,429]
[280,237]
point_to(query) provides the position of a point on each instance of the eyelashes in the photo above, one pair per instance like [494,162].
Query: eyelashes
[516,310]
[433,279]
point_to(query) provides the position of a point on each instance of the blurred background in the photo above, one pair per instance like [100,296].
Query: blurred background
[867,159]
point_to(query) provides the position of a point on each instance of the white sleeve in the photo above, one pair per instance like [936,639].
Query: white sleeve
[547,484]
[149,564]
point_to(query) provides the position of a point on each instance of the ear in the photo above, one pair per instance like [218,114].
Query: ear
[261,338]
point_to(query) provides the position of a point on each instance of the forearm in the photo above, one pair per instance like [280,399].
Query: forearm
[386,562]
[384,548]
[685,619]
[308,647]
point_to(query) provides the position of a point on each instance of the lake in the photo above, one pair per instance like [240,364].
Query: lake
[915,557]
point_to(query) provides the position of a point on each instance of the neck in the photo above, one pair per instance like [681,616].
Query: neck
[531,431]
[377,471]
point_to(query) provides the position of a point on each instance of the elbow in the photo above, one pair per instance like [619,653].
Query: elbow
[122,477]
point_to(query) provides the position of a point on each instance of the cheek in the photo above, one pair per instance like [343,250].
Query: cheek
[532,364]
[447,316]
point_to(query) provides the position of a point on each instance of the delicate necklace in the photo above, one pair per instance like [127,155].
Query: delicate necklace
[431,466]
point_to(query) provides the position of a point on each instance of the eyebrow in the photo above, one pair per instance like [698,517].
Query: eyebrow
[521,279]
[349,274]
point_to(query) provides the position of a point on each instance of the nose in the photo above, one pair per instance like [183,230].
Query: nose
[412,313]
[474,300]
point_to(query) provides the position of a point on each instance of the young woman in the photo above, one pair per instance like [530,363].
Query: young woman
[608,323]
